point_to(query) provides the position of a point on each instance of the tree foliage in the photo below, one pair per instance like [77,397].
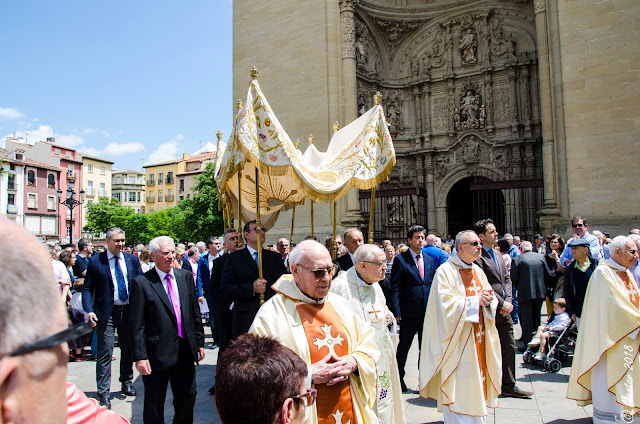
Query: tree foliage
[191,220]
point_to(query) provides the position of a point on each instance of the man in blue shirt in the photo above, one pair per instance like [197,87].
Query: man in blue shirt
[438,255]
[580,231]
[513,251]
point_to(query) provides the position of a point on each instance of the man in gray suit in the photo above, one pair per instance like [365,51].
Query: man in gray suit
[528,273]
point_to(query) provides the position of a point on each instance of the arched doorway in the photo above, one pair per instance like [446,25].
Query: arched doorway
[468,201]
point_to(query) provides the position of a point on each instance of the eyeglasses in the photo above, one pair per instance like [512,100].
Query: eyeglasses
[307,398]
[375,263]
[264,230]
[577,225]
[473,243]
[633,252]
[75,336]
[319,272]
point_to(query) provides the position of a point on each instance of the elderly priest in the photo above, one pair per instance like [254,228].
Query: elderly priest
[337,345]
[460,364]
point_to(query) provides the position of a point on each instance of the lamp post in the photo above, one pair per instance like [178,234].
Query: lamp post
[71,202]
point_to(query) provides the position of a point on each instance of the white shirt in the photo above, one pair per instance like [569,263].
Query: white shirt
[60,271]
[252,251]
[112,268]
[174,285]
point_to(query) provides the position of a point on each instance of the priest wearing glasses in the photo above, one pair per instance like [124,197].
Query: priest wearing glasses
[338,347]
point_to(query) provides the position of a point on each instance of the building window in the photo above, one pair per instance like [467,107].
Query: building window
[31,178]
[160,177]
[160,196]
[117,196]
[103,190]
[11,181]
[181,184]
[170,196]
[32,201]
[138,196]
[57,152]
[169,177]
[89,188]
[51,181]
[132,196]
[51,203]
[151,209]
[102,170]
[11,199]
[151,179]
[89,168]
[67,155]
[132,179]
[118,179]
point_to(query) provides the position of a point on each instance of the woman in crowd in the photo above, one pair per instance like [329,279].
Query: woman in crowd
[145,257]
[554,250]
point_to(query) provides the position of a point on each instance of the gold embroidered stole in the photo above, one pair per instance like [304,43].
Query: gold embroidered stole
[326,335]
[630,285]
[473,286]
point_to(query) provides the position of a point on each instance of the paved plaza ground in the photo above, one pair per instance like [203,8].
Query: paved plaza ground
[549,404]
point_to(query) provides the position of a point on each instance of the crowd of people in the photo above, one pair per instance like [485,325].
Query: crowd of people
[339,320]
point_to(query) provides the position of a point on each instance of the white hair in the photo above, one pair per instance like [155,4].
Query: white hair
[154,245]
[200,245]
[301,250]
[526,246]
[508,236]
[636,238]
[620,242]
[461,237]
[438,242]
[366,252]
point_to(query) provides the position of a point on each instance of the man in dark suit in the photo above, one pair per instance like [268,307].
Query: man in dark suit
[352,240]
[105,298]
[167,336]
[205,263]
[240,279]
[528,274]
[411,276]
[494,267]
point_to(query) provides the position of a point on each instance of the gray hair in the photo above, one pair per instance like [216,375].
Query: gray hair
[508,236]
[461,237]
[526,246]
[181,246]
[35,275]
[154,245]
[366,252]
[302,248]
[350,231]
[113,231]
[635,238]
[200,244]
[192,251]
[620,242]
[516,238]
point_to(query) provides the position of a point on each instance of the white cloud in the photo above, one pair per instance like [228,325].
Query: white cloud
[166,151]
[117,149]
[208,147]
[10,113]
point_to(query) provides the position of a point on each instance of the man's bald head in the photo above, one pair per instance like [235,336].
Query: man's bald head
[432,240]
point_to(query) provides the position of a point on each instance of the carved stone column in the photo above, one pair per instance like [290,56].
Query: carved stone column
[488,101]
[449,48]
[432,225]
[451,101]
[550,212]
[484,42]
[353,217]
[526,99]
[426,93]
[418,117]
[513,112]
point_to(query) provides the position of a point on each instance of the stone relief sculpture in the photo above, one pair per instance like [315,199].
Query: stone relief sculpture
[392,116]
[365,50]
[501,43]
[471,113]
[468,45]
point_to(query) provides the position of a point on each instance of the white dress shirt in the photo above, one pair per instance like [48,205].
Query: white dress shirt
[112,268]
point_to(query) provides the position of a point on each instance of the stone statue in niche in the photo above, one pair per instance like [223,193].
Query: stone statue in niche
[392,116]
[468,45]
[472,112]
[471,150]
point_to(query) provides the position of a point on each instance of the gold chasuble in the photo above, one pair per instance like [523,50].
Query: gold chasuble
[608,338]
[312,329]
[460,363]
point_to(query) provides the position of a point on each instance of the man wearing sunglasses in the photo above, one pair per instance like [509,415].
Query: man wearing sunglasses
[323,330]
[33,347]
[606,368]
[278,392]
[580,231]
[241,282]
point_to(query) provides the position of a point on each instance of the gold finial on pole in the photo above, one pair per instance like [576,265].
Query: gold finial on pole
[297,144]
[336,126]
[253,73]
[259,231]
[377,98]
[310,138]
[219,135]
[239,104]
[373,203]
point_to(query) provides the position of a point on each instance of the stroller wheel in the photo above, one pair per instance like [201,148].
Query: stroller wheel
[554,365]
[526,357]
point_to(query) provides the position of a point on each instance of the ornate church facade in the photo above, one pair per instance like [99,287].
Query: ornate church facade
[477,99]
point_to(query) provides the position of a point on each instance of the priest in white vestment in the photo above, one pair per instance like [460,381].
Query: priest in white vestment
[460,364]
[359,285]
[606,368]
[337,345]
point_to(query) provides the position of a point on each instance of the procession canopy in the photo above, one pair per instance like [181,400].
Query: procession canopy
[359,155]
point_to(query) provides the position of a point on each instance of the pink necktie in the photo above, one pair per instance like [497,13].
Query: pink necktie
[173,296]
[420,267]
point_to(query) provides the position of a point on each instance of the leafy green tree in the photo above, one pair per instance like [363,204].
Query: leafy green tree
[200,215]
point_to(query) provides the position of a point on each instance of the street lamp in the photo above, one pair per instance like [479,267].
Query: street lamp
[71,202]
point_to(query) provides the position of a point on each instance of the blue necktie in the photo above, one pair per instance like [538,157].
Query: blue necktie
[122,287]
[255,257]
[493,256]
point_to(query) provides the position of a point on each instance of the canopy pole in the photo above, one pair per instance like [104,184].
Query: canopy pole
[229,217]
[334,247]
[240,201]
[373,199]
[312,237]
[293,220]
[259,231]
[224,214]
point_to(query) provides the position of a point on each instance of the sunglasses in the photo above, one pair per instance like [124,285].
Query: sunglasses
[264,230]
[307,398]
[473,243]
[75,335]
[319,272]
[577,225]
[375,263]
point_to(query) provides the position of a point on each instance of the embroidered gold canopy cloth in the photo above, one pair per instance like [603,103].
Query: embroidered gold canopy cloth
[359,155]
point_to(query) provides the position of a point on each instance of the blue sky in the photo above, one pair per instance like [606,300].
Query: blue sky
[131,81]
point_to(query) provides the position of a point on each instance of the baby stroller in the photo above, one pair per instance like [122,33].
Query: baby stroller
[561,348]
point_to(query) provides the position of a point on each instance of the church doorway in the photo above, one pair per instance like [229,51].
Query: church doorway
[469,201]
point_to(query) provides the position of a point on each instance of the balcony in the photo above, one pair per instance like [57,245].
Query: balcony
[160,198]
[151,183]
[102,193]
[12,209]
[169,197]
[90,192]
[71,175]
[169,180]
[151,199]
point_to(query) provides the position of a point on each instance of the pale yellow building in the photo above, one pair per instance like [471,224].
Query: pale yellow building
[162,184]
[523,111]
[96,180]
[128,186]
